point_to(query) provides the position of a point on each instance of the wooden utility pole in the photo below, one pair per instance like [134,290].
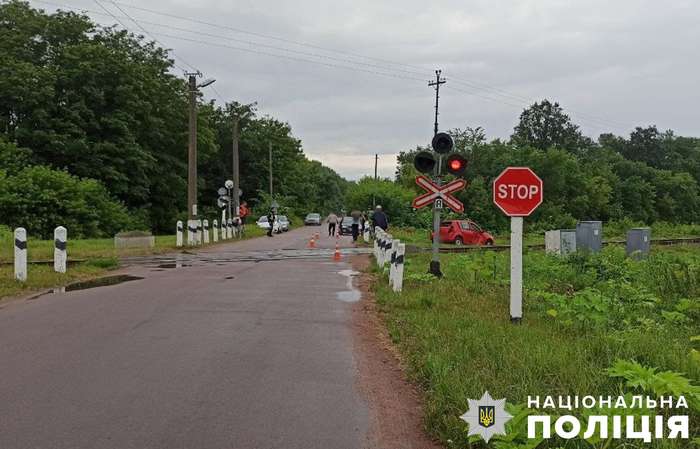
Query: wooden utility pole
[236,172]
[435,261]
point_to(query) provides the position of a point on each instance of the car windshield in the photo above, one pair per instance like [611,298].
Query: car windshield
[282,218]
[465,225]
[347,220]
[262,219]
[313,216]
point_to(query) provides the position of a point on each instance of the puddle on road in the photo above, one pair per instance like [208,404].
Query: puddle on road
[351,294]
[92,283]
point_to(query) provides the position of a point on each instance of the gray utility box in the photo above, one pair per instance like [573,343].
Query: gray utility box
[560,241]
[589,236]
[638,242]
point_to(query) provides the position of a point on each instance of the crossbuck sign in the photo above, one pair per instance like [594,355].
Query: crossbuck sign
[439,194]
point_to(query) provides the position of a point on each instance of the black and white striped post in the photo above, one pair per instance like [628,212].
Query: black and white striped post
[229,226]
[191,232]
[178,233]
[392,260]
[200,232]
[205,224]
[21,254]
[398,271]
[215,229]
[60,251]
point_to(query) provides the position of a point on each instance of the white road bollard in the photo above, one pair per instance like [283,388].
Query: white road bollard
[205,224]
[387,250]
[223,224]
[376,245]
[60,251]
[398,271]
[178,234]
[380,244]
[191,232]
[21,254]
[392,260]
[215,230]
[365,235]
[200,232]
[230,228]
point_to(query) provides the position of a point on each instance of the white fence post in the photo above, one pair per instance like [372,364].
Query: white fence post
[205,223]
[229,226]
[60,252]
[215,229]
[21,254]
[223,224]
[398,272]
[200,232]
[365,235]
[178,234]
[392,261]
[191,232]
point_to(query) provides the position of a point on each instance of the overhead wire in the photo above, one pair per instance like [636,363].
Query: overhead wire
[478,89]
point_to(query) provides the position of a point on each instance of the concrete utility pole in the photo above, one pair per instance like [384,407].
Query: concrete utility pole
[435,262]
[192,146]
[236,172]
[269,147]
[192,149]
[374,200]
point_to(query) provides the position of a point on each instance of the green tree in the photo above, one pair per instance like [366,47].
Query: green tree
[544,125]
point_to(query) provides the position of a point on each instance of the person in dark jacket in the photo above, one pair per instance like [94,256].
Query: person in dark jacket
[271,222]
[380,219]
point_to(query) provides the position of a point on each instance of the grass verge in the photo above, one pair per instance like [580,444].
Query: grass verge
[583,315]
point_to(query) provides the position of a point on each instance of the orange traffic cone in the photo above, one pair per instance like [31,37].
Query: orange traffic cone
[312,243]
[336,255]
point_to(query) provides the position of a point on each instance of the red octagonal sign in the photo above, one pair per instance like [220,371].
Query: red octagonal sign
[517,191]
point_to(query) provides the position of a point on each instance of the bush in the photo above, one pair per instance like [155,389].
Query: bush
[39,199]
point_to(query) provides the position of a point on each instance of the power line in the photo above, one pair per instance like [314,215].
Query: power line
[487,92]
[147,33]
[127,28]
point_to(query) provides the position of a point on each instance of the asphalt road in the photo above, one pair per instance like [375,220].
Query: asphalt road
[223,353]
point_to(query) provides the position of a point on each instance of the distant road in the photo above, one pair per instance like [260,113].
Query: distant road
[216,354]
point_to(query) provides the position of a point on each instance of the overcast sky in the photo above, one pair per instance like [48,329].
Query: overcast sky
[612,65]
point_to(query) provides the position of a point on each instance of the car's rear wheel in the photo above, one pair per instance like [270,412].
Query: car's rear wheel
[458,241]
[489,242]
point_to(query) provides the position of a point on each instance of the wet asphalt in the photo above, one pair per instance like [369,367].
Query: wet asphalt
[242,345]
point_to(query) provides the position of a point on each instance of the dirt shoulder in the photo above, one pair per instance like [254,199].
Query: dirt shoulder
[396,411]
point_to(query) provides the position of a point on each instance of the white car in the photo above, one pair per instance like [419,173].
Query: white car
[284,223]
[264,224]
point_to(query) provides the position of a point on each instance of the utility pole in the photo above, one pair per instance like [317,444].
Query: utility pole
[269,148]
[374,200]
[435,262]
[192,149]
[236,172]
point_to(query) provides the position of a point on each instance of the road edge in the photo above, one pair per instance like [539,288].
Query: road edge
[395,403]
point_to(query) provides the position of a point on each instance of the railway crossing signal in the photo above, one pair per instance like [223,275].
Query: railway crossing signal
[440,195]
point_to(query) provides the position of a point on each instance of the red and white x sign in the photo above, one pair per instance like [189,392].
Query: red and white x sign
[435,191]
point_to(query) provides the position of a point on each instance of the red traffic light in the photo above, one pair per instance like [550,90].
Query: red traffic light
[456,164]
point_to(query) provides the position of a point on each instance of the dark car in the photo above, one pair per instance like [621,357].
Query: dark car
[346,226]
[463,232]
[313,219]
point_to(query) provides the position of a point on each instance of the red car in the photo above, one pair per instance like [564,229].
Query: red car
[463,232]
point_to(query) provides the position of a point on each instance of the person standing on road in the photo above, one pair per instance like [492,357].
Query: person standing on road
[332,224]
[380,219]
[271,222]
[356,214]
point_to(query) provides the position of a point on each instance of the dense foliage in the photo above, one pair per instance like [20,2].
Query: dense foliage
[102,104]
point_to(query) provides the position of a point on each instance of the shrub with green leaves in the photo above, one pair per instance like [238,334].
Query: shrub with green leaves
[40,198]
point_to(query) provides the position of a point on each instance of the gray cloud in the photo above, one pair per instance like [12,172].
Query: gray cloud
[617,64]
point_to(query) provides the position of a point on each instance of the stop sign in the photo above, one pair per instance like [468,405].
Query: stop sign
[517,191]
